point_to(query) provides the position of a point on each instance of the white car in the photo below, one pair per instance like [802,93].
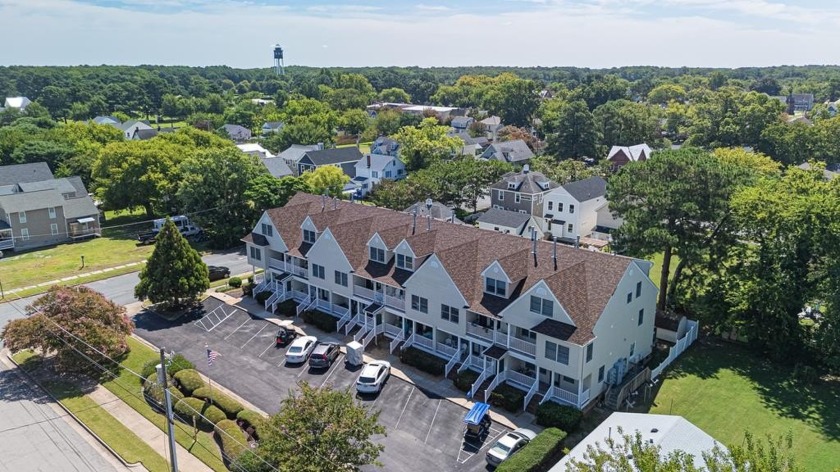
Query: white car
[508,444]
[373,376]
[300,349]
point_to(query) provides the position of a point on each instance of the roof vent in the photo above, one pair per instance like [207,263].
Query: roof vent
[654,430]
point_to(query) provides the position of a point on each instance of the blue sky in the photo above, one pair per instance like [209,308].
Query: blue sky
[586,33]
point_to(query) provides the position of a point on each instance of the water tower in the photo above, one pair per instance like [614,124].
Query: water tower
[278,60]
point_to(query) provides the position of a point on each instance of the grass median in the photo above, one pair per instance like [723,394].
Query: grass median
[121,439]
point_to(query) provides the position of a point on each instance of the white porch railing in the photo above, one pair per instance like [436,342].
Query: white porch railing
[523,381]
[308,303]
[530,395]
[7,243]
[359,318]
[299,296]
[500,377]
[448,350]
[363,292]
[677,349]
[341,311]
[372,334]
[270,303]
[396,341]
[454,360]
[480,332]
[474,362]
[277,264]
[424,342]
[410,340]
[392,330]
[395,302]
[548,395]
[584,397]
[562,396]
[343,321]
[360,335]
[523,346]
[261,286]
[480,380]
[501,338]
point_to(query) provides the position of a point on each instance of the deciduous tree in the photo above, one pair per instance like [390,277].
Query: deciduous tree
[425,144]
[326,179]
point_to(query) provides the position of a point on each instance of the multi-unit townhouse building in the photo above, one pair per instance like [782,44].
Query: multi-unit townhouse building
[559,323]
[571,211]
[521,191]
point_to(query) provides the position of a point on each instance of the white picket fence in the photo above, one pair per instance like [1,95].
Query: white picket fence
[677,349]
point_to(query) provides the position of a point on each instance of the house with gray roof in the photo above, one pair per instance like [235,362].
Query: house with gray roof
[385,146]
[131,126]
[38,210]
[461,123]
[509,222]
[271,127]
[237,133]
[371,169]
[571,211]
[344,158]
[107,120]
[521,191]
[277,167]
[293,154]
[514,152]
[436,210]
[18,103]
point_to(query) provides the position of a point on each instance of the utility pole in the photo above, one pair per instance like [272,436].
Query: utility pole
[170,423]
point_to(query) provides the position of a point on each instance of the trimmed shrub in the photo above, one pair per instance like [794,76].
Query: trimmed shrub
[149,368]
[324,322]
[423,360]
[262,297]
[232,439]
[551,414]
[221,401]
[464,380]
[178,363]
[287,308]
[203,413]
[507,397]
[154,391]
[235,282]
[248,289]
[188,380]
[537,454]
[252,422]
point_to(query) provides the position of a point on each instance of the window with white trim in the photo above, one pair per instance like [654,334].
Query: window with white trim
[53,229]
[22,217]
[589,348]
[449,313]
[52,212]
[318,271]
[377,254]
[541,306]
[24,234]
[638,289]
[550,205]
[267,230]
[495,286]
[501,195]
[601,374]
[556,352]
[309,236]
[419,304]
[641,317]
[559,207]
[256,254]
[517,198]
[341,278]
[571,228]
[405,262]
[571,208]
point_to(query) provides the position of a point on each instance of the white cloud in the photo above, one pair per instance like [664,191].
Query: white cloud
[425,7]
[601,33]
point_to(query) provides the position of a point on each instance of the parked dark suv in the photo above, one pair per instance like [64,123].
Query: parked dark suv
[323,355]
[218,272]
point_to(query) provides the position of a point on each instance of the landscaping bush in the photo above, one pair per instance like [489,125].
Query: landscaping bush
[537,454]
[464,380]
[551,414]
[154,391]
[251,419]
[248,289]
[188,380]
[262,297]
[232,439]
[235,282]
[507,397]
[287,308]
[324,322]
[149,368]
[178,363]
[423,361]
[223,402]
[204,414]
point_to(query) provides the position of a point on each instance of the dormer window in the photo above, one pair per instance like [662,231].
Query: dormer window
[309,236]
[512,185]
[267,230]
[495,286]
[405,262]
[377,254]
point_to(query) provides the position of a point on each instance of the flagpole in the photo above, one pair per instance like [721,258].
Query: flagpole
[209,364]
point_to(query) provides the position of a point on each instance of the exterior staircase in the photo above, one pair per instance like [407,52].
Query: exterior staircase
[479,394]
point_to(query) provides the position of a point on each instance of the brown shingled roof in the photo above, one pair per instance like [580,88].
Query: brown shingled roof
[583,281]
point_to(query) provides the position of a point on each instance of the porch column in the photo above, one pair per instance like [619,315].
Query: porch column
[508,335]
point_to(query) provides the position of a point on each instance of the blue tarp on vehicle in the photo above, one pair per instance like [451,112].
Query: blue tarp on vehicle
[475,415]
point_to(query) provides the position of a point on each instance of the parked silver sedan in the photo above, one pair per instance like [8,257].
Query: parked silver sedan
[508,444]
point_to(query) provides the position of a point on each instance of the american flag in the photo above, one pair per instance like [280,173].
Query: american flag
[211,356]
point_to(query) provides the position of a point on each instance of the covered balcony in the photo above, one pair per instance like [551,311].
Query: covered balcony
[7,240]
[392,297]
[511,337]
[290,265]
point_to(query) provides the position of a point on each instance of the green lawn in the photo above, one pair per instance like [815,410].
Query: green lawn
[726,390]
[127,387]
[657,266]
[364,148]
[121,439]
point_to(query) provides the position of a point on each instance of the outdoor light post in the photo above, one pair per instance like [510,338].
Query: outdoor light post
[83,261]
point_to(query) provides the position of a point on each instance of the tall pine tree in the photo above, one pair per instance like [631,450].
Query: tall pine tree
[174,275]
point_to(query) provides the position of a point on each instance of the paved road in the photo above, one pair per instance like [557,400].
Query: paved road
[120,289]
[34,436]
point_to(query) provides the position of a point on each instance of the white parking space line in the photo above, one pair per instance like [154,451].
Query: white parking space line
[464,456]
[254,336]
[273,344]
[237,329]
[405,406]
[333,369]
[433,421]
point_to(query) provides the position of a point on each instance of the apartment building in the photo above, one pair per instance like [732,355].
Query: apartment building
[559,323]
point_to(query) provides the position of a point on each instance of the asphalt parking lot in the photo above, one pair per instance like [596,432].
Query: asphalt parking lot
[424,431]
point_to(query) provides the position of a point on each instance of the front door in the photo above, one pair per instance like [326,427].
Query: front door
[501,365]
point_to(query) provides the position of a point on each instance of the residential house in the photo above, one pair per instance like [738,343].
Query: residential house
[271,127]
[435,209]
[829,172]
[254,149]
[371,169]
[832,107]
[472,146]
[509,222]
[571,211]
[143,134]
[668,433]
[559,323]
[37,209]
[441,113]
[620,156]
[791,119]
[277,167]
[796,102]
[385,146]
[461,124]
[293,154]
[237,133]
[492,125]
[131,126]
[514,152]
[18,103]
[344,158]
[107,120]
[521,191]
[261,101]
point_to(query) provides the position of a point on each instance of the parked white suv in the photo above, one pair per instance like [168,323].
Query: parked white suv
[373,376]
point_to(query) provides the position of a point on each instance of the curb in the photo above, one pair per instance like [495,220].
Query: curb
[30,379]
